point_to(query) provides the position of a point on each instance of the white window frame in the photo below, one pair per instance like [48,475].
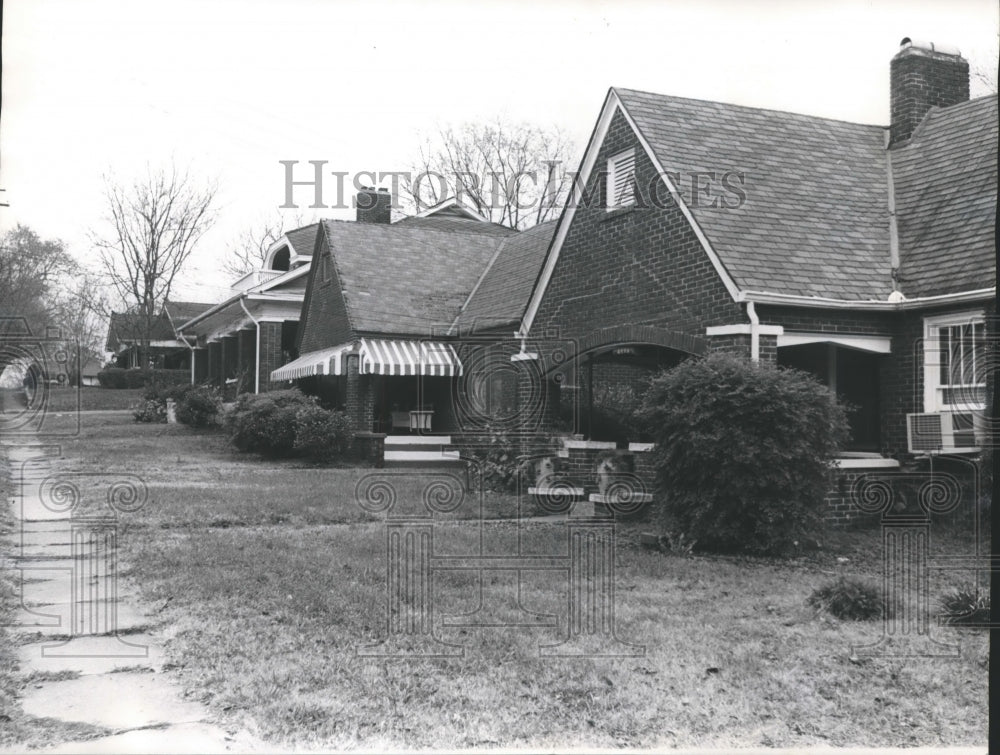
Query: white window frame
[933,389]
[611,197]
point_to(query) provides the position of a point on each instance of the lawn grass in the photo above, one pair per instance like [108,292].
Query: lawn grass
[267,577]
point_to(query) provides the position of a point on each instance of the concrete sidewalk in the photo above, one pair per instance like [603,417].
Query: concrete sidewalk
[98,656]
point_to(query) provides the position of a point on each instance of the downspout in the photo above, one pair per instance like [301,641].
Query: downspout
[754,332]
[893,227]
[191,348]
[256,367]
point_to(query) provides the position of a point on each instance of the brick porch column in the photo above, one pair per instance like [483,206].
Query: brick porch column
[214,362]
[229,357]
[270,352]
[200,357]
[738,340]
[246,346]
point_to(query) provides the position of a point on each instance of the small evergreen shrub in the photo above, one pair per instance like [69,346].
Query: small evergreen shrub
[848,599]
[320,434]
[965,605]
[198,406]
[742,452]
[150,410]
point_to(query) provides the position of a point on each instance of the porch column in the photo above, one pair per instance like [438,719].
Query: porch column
[246,346]
[270,352]
[229,357]
[199,358]
[214,362]
[739,340]
[360,399]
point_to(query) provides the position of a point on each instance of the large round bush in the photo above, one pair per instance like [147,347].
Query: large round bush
[742,452]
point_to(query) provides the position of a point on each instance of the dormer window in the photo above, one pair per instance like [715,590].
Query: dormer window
[621,180]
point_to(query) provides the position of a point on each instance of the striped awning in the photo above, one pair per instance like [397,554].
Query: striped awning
[324,362]
[383,357]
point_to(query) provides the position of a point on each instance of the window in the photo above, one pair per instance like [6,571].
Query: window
[954,362]
[621,180]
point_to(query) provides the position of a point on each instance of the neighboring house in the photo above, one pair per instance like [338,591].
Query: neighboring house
[241,339]
[127,331]
[863,254]
[379,315]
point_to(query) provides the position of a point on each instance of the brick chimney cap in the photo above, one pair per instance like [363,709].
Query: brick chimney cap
[919,44]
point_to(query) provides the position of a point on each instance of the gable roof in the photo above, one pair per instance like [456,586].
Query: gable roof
[503,289]
[945,181]
[302,240]
[180,312]
[403,278]
[815,218]
[814,228]
[127,328]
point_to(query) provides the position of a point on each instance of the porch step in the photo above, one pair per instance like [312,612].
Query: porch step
[417,440]
[419,451]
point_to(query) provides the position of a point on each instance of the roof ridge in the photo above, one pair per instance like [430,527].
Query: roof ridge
[422,228]
[751,107]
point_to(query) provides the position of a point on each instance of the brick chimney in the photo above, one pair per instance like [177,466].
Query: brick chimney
[924,75]
[373,206]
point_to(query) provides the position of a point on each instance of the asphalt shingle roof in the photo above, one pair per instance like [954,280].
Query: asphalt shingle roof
[945,181]
[462,225]
[815,219]
[504,289]
[180,312]
[303,240]
[406,279]
[128,327]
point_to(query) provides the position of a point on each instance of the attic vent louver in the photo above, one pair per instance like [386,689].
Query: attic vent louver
[621,180]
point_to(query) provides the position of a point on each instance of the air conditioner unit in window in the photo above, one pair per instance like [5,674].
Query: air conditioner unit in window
[941,432]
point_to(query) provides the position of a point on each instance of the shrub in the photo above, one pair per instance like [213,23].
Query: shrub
[321,435]
[119,377]
[742,452]
[150,410]
[966,605]
[269,423]
[848,599]
[198,406]
[494,462]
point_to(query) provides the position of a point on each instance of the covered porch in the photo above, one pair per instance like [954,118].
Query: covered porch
[386,386]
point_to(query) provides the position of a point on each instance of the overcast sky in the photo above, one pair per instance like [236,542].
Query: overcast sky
[230,88]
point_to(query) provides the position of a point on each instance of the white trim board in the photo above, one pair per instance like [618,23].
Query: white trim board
[873,344]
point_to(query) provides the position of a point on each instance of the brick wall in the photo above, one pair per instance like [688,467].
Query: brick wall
[270,354]
[643,265]
[324,322]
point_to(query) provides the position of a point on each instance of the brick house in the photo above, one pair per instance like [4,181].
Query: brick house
[386,302]
[863,254]
[238,342]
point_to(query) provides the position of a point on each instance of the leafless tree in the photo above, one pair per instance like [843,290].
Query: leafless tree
[248,250]
[152,227]
[515,174]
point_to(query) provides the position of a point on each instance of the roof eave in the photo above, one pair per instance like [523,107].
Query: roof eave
[877,305]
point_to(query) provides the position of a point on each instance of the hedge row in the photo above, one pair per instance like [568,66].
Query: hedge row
[119,377]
